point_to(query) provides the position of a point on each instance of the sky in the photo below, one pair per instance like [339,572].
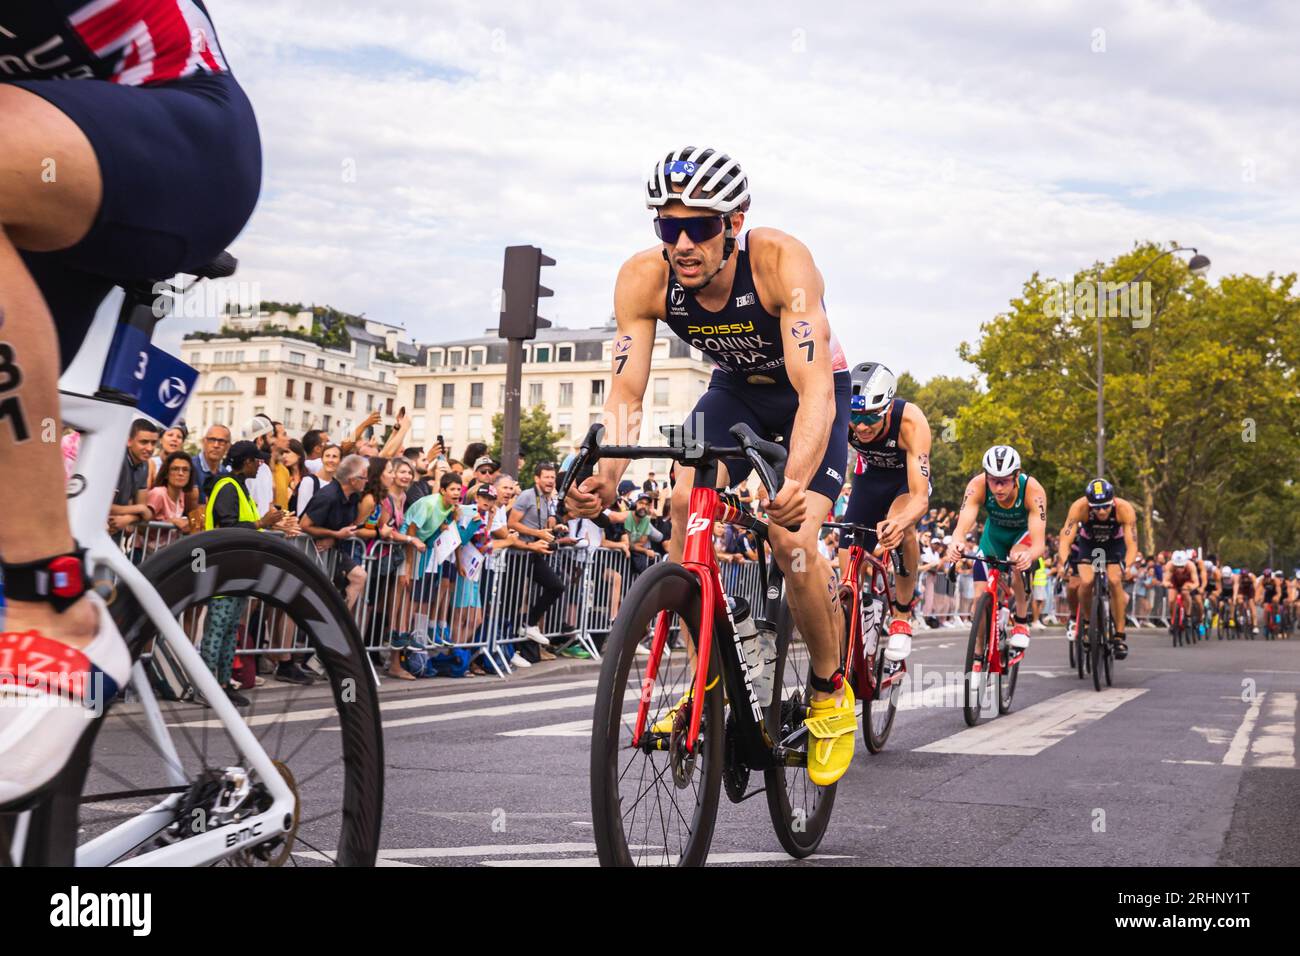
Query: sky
[931,155]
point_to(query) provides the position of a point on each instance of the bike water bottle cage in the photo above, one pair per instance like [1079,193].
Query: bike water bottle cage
[829,685]
[60,581]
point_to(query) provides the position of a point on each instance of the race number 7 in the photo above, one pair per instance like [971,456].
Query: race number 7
[808,346]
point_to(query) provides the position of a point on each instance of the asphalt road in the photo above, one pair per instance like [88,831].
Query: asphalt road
[1190,759]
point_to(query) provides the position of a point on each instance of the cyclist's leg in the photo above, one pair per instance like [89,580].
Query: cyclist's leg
[1087,578]
[1118,606]
[37,213]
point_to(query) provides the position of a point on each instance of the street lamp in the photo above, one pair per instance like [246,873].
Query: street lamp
[1198,265]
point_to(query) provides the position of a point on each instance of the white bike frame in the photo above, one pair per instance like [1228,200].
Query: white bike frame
[104,427]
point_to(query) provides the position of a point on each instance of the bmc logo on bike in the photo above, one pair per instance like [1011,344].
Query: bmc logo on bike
[698,524]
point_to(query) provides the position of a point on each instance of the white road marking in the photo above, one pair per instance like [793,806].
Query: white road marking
[501,710]
[1241,739]
[406,703]
[714,858]
[1199,763]
[570,728]
[1031,731]
[508,849]
[1212,735]
[1274,745]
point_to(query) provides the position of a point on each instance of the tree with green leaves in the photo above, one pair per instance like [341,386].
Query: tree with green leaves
[537,441]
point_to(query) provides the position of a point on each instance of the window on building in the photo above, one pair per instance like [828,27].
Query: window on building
[388,406]
[306,420]
[370,404]
[343,368]
[421,393]
[325,425]
[259,409]
[224,384]
[329,394]
[351,398]
[564,353]
[381,376]
[455,356]
[435,358]
[534,394]
[264,355]
[298,358]
[196,358]
[477,355]
[288,415]
[475,394]
[260,387]
[320,364]
[448,394]
[447,429]
[501,394]
[598,391]
[594,418]
[661,391]
[475,430]
[660,350]
[542,353]
[416,433]
[564,425]
[566,395]
[306,391]
[288,388]
[219,415]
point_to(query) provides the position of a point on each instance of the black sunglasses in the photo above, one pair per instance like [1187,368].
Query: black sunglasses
[697,228]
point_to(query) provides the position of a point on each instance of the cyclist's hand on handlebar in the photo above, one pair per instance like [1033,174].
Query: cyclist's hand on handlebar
[588,498]
[890,533]
[1019,560]
[789,507]
[952,554]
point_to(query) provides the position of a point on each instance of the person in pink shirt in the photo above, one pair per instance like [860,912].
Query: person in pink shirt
[174,493]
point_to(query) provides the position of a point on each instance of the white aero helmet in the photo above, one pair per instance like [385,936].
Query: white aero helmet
[873,387]
[1179,559]
[1001,461]
[700,177]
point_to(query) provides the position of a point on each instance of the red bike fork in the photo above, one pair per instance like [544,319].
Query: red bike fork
[698,558]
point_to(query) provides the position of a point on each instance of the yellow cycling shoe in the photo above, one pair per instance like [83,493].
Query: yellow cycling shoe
[664,725]
[831,728]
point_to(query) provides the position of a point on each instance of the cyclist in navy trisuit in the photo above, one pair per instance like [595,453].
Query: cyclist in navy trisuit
[1101,525]
[891,483]
[752,302]
[127,152]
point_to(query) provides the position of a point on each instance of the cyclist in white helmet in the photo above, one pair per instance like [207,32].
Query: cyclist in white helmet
[1015,528]
[752,302]
[891,484]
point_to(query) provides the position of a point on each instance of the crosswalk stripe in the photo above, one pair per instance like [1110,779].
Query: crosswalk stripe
[406,703]
[1241,739]
[1031,731]
[1274,745]
[714,858]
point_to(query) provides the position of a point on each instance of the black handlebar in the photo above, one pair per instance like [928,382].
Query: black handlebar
[767,458]
[894,555]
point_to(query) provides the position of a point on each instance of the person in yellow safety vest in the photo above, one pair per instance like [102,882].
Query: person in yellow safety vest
[230,506]
[1039,582]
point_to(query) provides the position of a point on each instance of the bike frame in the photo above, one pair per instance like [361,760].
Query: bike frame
[996,665]
[104,424]
[698,557]
[864,669]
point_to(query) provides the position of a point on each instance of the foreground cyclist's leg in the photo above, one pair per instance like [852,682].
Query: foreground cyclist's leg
[59,642]
[810,592]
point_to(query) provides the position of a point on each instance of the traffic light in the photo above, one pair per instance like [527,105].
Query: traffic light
[521,287]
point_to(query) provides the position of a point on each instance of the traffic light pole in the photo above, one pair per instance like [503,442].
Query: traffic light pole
[510,427]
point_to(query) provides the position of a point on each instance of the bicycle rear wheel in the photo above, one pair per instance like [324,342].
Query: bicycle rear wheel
[1007,679]
[655,804]
[334,763]
[800,809]
[975,680]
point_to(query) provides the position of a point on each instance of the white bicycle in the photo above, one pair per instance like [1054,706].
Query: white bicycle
[168,782]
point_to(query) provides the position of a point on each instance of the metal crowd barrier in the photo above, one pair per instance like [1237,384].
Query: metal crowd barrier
[443,609]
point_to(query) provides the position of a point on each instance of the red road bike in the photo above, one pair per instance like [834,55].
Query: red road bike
[865,599]
[723,691]
[996,661]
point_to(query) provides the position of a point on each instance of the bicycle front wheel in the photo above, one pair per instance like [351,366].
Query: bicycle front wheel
[1007,679]
[139,753]
[1097,629]
[975,681]
[800,809]
[653,800]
